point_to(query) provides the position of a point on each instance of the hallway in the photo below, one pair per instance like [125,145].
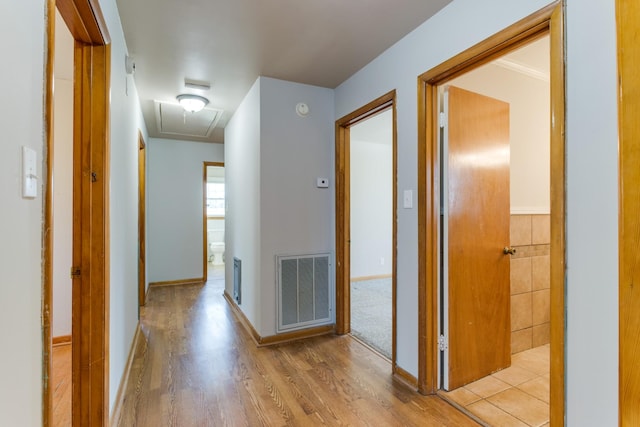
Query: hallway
[196,365]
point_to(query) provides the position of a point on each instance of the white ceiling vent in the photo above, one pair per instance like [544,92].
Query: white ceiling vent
[173,121]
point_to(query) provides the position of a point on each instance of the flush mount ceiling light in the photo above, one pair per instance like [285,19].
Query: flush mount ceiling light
[192,103]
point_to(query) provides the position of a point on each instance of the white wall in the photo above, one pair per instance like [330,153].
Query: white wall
[242,194]
[21,120]
[272,160]
[529,114]
[126,121]
[63,178]
[591,178]
[592,214]
[371,173]
[296,216]
[175,191]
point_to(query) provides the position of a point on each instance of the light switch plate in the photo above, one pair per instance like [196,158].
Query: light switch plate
[29,173]
[407,201]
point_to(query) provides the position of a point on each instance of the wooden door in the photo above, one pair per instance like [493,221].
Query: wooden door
[477,217]
[142,224]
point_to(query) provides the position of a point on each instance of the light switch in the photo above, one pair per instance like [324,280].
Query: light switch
[322,183]
[29,173]
[407,202]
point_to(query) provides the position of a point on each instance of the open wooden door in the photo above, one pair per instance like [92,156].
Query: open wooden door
[476,217]
[142,221]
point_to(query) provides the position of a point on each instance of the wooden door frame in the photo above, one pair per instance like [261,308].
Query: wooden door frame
[142,220]
[627,15]
[90,295]
[205,258]
[549,20]
[343,216]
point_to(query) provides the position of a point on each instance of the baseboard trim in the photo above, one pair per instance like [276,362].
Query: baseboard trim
[297,335]
[242,318]
[275,339]
[376,277]
[405,377]
[196,281]
[61,340]
[117,405]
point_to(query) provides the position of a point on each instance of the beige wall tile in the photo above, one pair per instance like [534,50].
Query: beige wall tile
[540,229]
[540,277]
[541,334]
[521,340]
[520,230]
[520,275]
[540,303]
[521,317]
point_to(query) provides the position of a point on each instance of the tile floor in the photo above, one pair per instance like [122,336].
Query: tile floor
[517,396]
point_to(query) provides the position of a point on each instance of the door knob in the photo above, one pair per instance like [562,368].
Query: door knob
[509,251]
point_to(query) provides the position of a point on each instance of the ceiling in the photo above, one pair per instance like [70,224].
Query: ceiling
[229,43]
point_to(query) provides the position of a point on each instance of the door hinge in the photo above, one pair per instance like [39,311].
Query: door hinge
[442,119]
[442,343]
[75,272]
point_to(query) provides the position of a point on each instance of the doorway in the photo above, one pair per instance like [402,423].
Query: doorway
[547,21]
[62,223]
[214,219]
[90,176]
[371,230]
[509,378]
[374,266]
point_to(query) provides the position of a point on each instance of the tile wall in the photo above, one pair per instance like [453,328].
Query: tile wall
[530,284]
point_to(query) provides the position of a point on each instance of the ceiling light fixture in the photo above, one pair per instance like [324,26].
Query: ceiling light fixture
[192,103]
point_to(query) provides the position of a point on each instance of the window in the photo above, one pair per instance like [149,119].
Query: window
[215,199]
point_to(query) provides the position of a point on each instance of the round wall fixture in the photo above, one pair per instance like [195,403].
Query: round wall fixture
[302,109]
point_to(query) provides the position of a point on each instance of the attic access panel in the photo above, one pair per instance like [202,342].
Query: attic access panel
[173,120]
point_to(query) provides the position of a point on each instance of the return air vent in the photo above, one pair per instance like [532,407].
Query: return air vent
[173,121]
[305,294]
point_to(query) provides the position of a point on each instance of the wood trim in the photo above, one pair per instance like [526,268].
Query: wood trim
[205,259]
[47,233]
[85,21]
[296,335]
[558,216]
[242,318]
[343,275]
[627,15]
[91,235]
[120,397]
[180,282]
[547,20]
[61,340]
[142,220]
[279,338]
[406,378]
[375,277]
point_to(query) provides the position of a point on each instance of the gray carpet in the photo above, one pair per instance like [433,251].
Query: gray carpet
[371,313]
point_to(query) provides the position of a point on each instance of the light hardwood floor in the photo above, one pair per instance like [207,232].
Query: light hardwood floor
[195,365]
[61,385]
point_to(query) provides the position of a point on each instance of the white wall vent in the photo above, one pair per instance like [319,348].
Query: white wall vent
[305,291]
